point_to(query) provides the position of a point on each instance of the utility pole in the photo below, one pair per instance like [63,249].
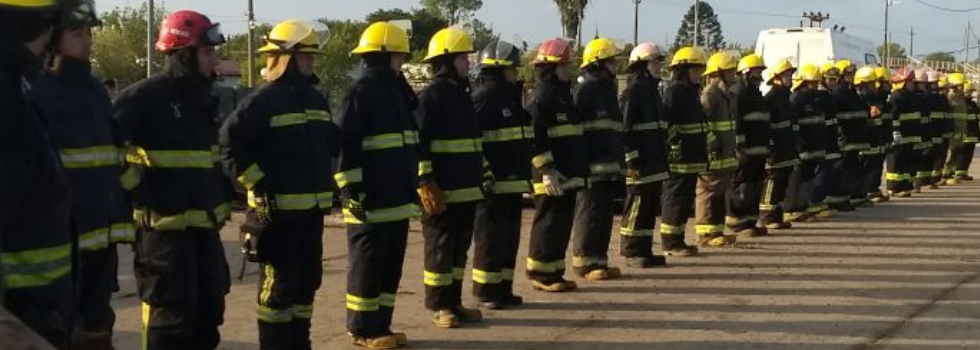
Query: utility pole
[817,18]
[636,21]
[911,41]
[697,22]
[966,43]
[887,48]
[251,48]
[149,38]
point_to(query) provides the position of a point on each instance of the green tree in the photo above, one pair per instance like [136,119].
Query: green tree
[335,66]
[482,34]
[119,46]
[940,57]
[895,50]
[572,12]
[453,11]
[709,34]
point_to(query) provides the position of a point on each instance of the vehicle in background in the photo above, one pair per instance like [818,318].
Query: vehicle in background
[813,45]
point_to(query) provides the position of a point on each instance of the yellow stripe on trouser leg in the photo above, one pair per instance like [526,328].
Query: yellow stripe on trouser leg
[668,229]
[487,277]
[270,277]
[359,304]
[545,267]
[434,279]
[302,311]
[386,300]
[269,315]
[145,317]
[708,229]
[629,229]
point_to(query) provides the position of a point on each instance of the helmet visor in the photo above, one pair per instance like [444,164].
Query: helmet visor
[213,36]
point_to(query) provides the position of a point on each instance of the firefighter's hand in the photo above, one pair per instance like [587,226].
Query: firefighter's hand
[486,186]
[552,183]
[264,206]
[355,207]
[433,200]
[632,173]
[143,219]
[875,112]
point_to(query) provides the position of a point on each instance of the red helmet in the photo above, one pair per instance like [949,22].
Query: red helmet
[554,51]
[903,74]
[187,28]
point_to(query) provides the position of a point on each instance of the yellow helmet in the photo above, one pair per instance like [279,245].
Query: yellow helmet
[943,81]
[809,72]
[797,82]
[29,4]
[750,61]
[382,37]
[294,36]
[688,56]
[829,70]
[865,75]
[968,86]
[783,66]
[720,61]
[955,79]
[598,49]
[448,41]
[884,74]
[844,67]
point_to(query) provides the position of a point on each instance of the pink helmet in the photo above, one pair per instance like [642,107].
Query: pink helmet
[903,74]
[646,52]
[932,76]
[921,75]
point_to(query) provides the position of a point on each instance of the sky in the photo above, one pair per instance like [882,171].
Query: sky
[741,20]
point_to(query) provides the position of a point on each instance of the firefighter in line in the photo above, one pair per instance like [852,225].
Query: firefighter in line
[378,177]
[902,160]
[598,107]
[875,97]
[280,145]
[941,128]
[646,156]
[827,175]
[688,153]
[182,199]
[868,86]
[720,108]
[499,107]
[753,127]
[924,148]
[453,175]
[957,122]
[783,155]
[35,214]
[808,107]
[853,123]
[963,157]
[79,115]
[559,164]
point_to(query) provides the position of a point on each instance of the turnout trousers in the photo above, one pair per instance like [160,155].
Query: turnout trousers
[447,243]
[550,233]
[496,237]
[773,194]
[593,226]
[376,253]
[902,166]
[640,212]
[797,200]
[744,195]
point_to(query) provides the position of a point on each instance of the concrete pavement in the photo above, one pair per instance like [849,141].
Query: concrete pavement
[898,276]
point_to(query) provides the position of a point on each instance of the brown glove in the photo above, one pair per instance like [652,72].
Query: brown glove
[875,112]
[433,200]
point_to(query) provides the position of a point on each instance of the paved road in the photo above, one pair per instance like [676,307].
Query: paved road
[899,276]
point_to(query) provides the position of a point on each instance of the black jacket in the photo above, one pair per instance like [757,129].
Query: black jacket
[972,122]
[753,119]
[507,132]
[35,213]
[170,119]
[782,123]
[79,114]
[870,99]
[852,118]
[940,125]
[906,110]
[646,129]
[811,136]
[602,125]
[887,123]
[558,142]
[379,150]
[829,105]
[450,138]
[687,131]
[280,142]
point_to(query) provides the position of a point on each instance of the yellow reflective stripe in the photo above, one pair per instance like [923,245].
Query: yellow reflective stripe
[91,157]
[783,164]
[513,186]
[852,115]
[456,146]
[723,163]
[909,116]
[756,117]
[384,214]
[507,274]
[265,290]
[813,155]
[468,194]
[837,199]
[584,261]
[145,318]
[565,130]
[648,179]
[356,303]
[318,115]
[93,240]
[251,176]
[756,151]
[872,151]
[725,125]
[625,231]
[649,126]
[386,300]
[425,167]
[505,134]
[688,128]
[971,139]
[601,125]
[855,147]
[269,315]
[303,201]
[604,168]
[704,229]
[174,158]
[289,119]
[781,125]
[411,137]
[435,279]
[668,229]
[487,277]
[575,182]
[632,155]
[36,267]
[458,274]
[736,221]
[542,159]
[345,178]
[545,267]
[688,168]
[302,311]
[384,141]
[811,120]
[189,218]
[130,178]
[122,232]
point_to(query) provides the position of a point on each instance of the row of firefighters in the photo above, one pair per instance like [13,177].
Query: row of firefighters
[82,173]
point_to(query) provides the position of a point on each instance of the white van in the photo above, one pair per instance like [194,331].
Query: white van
[813,45]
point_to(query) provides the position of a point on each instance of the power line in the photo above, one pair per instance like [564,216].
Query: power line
[941,8]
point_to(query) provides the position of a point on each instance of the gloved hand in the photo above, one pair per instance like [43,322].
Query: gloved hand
[355,206]
[552,183]
[143,220]
[487,185]
[264,207]
[433,200]
[633,173]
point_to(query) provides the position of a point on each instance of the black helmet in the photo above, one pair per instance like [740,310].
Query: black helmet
[79,13]
[499,53]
